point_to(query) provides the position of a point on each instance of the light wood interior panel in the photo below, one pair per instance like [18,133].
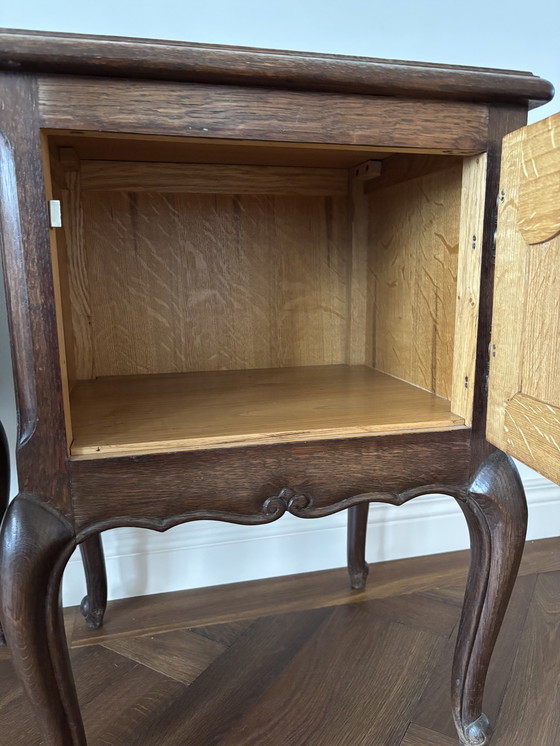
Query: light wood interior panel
[473,195]
[185,282]
[414,241]
[126,415]
[212,178]
[524,386]
[540,377]
[213,304]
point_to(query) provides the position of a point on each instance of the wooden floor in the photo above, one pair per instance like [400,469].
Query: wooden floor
[304,660]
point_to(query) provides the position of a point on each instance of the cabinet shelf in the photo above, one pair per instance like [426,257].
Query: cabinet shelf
[154,413]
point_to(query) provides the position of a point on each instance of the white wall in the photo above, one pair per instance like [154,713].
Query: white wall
[516,35]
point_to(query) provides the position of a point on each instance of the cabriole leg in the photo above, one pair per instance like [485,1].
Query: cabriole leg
[496,514]
[34,546]
[357,529]
[94,602]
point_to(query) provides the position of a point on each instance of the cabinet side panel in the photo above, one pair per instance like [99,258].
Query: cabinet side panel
[468,284]
[414,239]
[193,282]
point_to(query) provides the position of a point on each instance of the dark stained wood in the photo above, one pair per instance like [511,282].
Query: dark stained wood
[27,266]
[147,107]
[236,94]
[433,710]
[496,514]
[94,602]
[121,697]
[344,685]
[240,602]
[418,736]
[4,486]
[530,711]
[216,700]
[181,655]
[4,472]
[35,543]
[226,634]
[203,63]
[237,481]
[357,528]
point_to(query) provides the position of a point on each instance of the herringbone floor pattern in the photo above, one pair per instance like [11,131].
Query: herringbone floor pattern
[304,660]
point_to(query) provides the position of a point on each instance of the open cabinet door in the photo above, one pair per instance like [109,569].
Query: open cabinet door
[524,384]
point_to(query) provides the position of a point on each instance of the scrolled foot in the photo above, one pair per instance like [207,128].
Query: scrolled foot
[358,577]
[94,602]
[478,733]
[93,616]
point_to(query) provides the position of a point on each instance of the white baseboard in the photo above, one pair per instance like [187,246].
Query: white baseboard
[194,555]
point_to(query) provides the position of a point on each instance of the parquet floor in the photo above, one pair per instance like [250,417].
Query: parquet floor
[304,660]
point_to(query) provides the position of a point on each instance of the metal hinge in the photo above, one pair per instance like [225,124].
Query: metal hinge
[55,214]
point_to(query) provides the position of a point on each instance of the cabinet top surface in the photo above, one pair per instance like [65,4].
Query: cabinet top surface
[44,52]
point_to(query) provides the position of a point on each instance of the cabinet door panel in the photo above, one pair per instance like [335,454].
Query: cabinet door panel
[524,385]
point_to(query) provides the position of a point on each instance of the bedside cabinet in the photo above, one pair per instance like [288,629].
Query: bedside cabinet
[245,282]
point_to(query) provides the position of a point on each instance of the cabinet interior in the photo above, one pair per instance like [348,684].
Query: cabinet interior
[216,293]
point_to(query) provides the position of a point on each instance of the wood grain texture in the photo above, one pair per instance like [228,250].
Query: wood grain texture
[261,279]
[529,707]
[237,604]
[383,661]
[217,700]
[42,445]
[418,736]
[473,191]
[539,216]
[120,146]
[35,541]
[40,51]
[541,332]
[147,414]
[189,178]
[361,342]
[414,239]
[164,108]
[524,391]
[502,120]
[121,697]
[238,481]
[180,655]
[496,514]
[532,433]
[78,327]
[433,710]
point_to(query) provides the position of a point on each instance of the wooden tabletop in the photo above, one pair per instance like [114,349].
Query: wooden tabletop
[45,52]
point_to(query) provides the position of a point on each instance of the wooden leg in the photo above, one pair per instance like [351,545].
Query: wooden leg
[34,547]
[496,514]
[4,487]
[357,528]
[95,602]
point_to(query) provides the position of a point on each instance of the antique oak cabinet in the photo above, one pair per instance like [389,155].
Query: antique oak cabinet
[244,282]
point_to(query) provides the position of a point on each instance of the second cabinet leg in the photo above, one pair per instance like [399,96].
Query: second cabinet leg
[94,602]
[496,514]
[357,530]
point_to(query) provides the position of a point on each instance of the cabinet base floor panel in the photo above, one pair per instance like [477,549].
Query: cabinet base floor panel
[127,415]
